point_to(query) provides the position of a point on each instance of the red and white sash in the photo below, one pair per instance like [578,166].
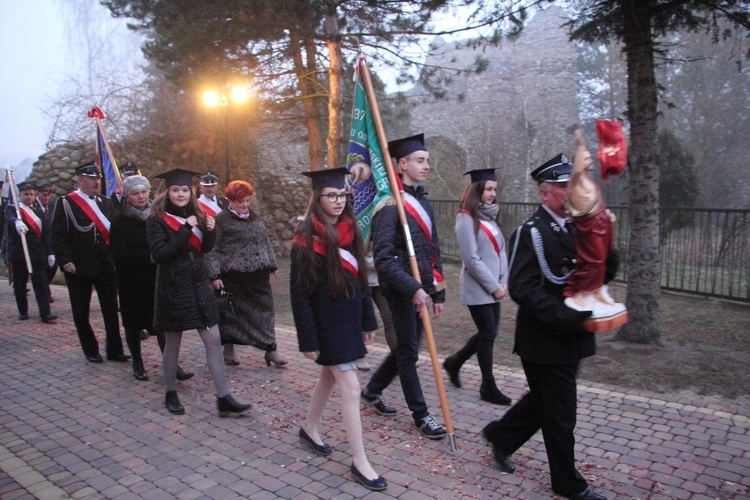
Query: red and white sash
[417,211]
[209,206]
[348,260]
[31,219]
[93,212]
[196,239]
[491,230]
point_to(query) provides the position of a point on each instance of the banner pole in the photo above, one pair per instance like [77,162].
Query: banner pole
[24,243]
[397,196]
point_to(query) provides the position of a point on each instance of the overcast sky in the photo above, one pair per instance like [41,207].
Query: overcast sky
[35,58]
[31,58]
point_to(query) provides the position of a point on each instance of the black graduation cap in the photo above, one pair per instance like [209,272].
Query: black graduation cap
[178,177]
[557,169]
[482,174]
[26,186]
[403,147]
[209,179]
[328,177]
[130,168]
[89,170]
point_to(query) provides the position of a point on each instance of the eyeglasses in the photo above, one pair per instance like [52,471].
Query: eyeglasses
[334,197]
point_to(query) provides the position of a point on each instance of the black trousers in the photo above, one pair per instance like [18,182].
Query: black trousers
[550,405]
[38,282]
[79,290]
[487,319]
[402,361]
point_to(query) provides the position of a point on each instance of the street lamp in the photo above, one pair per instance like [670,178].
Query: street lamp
[238,94]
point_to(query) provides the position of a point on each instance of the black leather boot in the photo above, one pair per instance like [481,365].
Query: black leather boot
[489,392]
[227,405]
[183,375]
[172,402]
[138,371]
[453,366]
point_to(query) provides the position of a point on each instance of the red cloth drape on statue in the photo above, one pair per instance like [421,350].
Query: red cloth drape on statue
[613,148]
[593,241]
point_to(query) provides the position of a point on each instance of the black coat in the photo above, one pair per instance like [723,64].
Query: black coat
[547,331]
[39,248]
[136,274]
[392,258]
[333,326]
[184,299]
[76,239]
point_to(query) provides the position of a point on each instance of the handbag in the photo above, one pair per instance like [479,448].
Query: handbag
[226,306]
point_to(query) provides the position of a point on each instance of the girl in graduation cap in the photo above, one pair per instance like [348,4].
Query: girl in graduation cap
[333,311]
[179,233]
[484,278]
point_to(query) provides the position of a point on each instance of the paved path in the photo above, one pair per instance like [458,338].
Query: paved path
[73,429]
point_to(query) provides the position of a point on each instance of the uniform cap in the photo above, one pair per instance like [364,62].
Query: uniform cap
[209,179]
[89,170]
[26,186]
[130,168]
[557,169]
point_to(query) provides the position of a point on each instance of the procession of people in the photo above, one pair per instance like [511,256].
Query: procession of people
[168,259]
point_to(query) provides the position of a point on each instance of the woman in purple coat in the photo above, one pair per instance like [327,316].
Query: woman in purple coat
[333,312]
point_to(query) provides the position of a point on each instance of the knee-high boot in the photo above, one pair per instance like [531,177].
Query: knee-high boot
[133,339]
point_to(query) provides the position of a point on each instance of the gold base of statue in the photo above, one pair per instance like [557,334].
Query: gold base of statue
[606,323]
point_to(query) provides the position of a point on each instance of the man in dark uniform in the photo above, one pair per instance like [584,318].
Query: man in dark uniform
[407,298]
[80,238]
[208,199]
[46,207]
[550,337]
[35,228]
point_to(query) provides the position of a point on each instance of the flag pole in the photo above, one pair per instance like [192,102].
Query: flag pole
[396,193]
[14,193]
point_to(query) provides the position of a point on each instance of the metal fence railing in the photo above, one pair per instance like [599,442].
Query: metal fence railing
[703,251]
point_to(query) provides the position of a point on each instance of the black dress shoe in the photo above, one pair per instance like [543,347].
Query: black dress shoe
[320,449]
[172,402]
[138,371]
[95,358]
[50,318]
[23,317]
[119,357]
[452,368]
[377,484]
[227,405]
[587,494]
[183,375]
[503,461]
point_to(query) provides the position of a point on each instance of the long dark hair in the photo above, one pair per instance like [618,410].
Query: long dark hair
[471,199]
[335,278]
[159,205]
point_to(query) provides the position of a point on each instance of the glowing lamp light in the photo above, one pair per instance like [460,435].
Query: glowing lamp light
[211,98]
[240,94]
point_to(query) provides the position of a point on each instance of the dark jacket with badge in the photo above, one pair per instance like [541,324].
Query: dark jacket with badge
[184,299]
[547,331]
[39,248]
[76,239]
[391,256]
